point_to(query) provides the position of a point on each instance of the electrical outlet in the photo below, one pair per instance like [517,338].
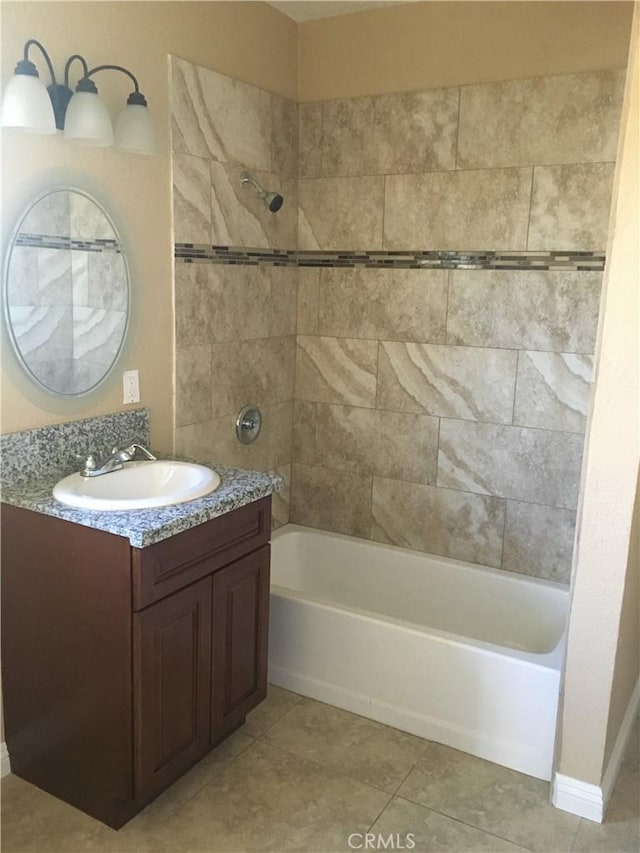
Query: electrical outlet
[130,387]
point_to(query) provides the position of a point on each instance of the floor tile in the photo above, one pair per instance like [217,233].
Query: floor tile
[269,799]
[620,831]
[628,783]
[277,703]
[193,781]
[365,750]
[35,822]
[431,832]
[490,797]
[631,757]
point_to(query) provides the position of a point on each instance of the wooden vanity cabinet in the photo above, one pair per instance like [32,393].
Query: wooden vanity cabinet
[122,667]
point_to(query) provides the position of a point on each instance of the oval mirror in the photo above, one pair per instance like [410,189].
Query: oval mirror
[66,292]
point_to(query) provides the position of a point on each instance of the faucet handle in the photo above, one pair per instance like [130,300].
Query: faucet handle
[89,463]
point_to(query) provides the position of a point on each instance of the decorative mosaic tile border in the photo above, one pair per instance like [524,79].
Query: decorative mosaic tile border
[47,241]
[204,254]
[476,260]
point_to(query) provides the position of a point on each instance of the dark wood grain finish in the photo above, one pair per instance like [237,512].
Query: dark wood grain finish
[66,657]
[106,705]
[169,565]
[240,640]
[172,662]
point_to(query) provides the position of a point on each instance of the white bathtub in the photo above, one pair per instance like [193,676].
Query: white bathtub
[464,655]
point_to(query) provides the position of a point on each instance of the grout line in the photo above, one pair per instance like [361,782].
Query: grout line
[384,206]
[533,169]
[446,309]
[504,533]
[380,813]
[482,495]
[462,822]
[455,164]
[575,836]
[515,388]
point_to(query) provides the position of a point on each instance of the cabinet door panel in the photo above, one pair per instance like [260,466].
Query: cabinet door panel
[170,565]
[240,638]
[172,676]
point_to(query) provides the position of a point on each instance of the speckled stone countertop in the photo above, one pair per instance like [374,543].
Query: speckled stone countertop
[144,527]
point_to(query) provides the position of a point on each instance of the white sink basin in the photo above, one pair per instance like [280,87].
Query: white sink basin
[138,485]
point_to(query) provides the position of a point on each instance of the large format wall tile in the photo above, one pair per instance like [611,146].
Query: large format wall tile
[191,199]
[387,444]
[303,442]
[284,136]
[461,382]
[284,286]
[218,117]
[570,207]
[281,366]
[308,295]
[403,132]
[405,305]
[192,306]
[348,145]
[336,370]
[310,140]
[215,440]
[254,371]
[278,425]
[538,541]
[215,303]
[340,213]
[439,521]
[571,118]
[534,465]
[458,210]
[240,218]
[281,501]
[240,374]
[555,311]
[552,390]
[193,385]
[339,501]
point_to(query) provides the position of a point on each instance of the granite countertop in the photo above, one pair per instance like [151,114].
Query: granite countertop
[144,527]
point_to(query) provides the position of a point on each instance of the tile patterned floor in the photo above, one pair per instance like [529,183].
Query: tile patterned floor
[303,776]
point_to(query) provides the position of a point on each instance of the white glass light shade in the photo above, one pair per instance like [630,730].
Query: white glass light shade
[26,105]
[88,121]
[135,131]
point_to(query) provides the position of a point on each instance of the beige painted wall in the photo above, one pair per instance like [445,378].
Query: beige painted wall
[627,664]
[422,45]
[250,41]
[598,651]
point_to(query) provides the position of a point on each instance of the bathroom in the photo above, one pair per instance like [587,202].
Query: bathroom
[360,120]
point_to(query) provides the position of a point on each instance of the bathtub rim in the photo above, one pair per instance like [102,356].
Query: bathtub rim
[553,659]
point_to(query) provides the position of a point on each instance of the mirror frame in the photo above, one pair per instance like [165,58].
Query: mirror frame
[5,292]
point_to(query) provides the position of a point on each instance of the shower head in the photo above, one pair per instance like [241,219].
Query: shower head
[273,201]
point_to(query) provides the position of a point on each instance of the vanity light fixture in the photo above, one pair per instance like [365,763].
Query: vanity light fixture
[29,106]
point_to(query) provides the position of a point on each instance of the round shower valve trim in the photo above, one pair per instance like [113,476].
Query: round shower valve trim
[248,423]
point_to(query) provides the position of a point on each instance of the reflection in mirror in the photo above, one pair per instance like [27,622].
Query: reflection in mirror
[66,292]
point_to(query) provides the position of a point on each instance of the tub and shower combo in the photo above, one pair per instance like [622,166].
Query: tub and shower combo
[463,655]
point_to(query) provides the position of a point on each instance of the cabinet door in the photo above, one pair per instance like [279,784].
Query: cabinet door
[172,683]
[240,636]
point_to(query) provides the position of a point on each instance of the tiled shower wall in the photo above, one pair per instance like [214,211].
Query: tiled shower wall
[445,410]
[235,325]
[441,410]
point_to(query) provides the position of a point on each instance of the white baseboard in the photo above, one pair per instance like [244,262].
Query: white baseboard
[579,798]
[590,801]
[5,765]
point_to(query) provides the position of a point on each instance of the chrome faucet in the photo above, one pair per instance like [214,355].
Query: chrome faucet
[114,462]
